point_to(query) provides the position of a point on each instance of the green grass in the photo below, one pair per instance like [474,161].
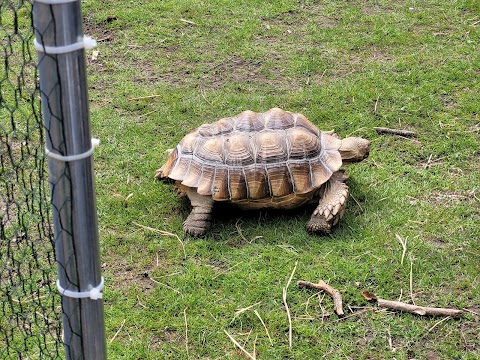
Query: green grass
[348,66]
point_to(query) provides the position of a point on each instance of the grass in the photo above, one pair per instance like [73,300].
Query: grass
[348,66]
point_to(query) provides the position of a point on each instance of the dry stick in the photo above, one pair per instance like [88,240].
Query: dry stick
[167,286]
[405,133]
[239,346]
[242,310]
[186,329]
[224,272]
[290,337]
[118,331]
[187,21]
[413,309]
[404,246]
[265,327]
[438,323]
[351,315]
[323,286]
[411,279]
[164,233]
[145,97]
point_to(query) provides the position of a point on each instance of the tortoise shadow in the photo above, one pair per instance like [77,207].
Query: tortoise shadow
[239,228]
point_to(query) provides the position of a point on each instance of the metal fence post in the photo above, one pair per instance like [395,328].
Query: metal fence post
[63,86]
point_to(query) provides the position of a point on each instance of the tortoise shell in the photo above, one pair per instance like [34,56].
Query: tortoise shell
[271,159]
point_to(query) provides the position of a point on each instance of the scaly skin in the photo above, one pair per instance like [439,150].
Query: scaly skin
[199,220]
[331,206]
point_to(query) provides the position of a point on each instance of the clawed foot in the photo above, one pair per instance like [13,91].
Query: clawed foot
[331,206]
[323,220]
[198,222]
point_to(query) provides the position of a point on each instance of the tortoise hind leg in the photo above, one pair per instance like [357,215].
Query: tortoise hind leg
[331,206]
[199,220]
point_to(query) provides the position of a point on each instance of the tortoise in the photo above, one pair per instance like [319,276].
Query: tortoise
[276,159]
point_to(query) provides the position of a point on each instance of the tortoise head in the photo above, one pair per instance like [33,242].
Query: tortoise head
[354,149]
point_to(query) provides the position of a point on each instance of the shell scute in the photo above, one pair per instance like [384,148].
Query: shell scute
[303,144]
[193,175]
[238,150]
[249,121]
[187,144]
[206,181]
[220,185]
[237,184]
[302,122]
[300,173]
[277,119]
[180,168]
[279,180]
[257,184]
[219,127]
[270,147]
[209,150]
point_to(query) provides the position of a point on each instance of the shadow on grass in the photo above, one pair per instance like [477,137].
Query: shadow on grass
[239,228]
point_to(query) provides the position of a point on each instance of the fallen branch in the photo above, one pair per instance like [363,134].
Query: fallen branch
[413,309]
[323,286]
[404,133]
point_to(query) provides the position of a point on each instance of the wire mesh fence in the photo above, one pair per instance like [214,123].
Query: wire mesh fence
[30,311]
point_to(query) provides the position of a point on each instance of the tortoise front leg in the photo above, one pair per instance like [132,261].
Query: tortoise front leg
[331,206]
[199,220]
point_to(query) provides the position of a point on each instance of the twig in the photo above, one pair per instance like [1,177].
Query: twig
[250,356]
[165,233]
[241,311]
[390,342]
[186,329]
[202,92]
[141,304]
[351,315]
[323,286]
[405,133]
[438,323]
[429,161]
[411,279]
[290,336]
[224,272]
[118,331]
[145,97]
[264,326]
[471,311]
[187,21]
[167,286]
[413,309]
[404,246]
[375,107]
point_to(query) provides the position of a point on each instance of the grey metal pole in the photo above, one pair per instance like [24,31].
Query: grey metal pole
[63,89]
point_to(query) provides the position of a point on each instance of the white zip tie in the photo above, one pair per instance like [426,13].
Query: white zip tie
[86,43]
[94,293]
[95,143]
